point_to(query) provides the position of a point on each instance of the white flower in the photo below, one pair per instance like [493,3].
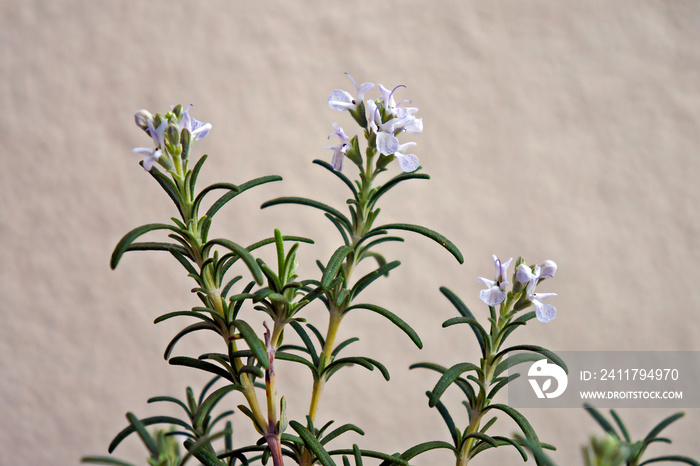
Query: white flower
[544,312]
[142,117]
[495,294]
[339,150]
[151,155]
[525,275]
[407,162]
[342,100]
[547,269]
[197,129]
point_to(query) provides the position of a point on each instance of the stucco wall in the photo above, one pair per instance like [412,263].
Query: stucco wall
[564,130]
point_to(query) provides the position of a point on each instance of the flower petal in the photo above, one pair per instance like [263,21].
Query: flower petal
[340,100]
[387,143]
[544,312]
[547,269]
[407,162]
[492,296]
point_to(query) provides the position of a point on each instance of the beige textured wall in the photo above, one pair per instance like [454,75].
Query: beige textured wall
[564,130]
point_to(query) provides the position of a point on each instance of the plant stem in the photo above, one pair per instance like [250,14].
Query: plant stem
[336,316]
[490,363]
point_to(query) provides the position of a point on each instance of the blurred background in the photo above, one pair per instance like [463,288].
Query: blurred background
[553,130]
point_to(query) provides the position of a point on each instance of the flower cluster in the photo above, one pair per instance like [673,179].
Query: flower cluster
[171,134]
[382,119]
[523,294]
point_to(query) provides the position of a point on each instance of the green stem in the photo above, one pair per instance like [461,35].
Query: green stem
[489,365]
[325,359]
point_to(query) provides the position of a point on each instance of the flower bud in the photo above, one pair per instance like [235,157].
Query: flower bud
[177,111]
[142,117]
[185,139]
[173,134]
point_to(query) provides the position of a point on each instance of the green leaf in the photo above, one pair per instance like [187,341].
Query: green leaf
[340,175]
[203,451]
[662,425]
[514,360]
[367,280]
[140,429]
[393,318]
[500,383]
[243,254]
[130,237]
[435,236]
[168,186]
[422,448]
[201,365]
[205,408]
[340,431]
[283,356]
[243,187]
[339,227]
[465,312]
[445,414]
[448,378]
[334,264]
[104,460]
[367,363]
[232,188]
[482,437]
[551,355]
[342,345]
[370,454]
[170,315]
[313,444]
[500,441]
[393,182]
[189,329]
[671,458]
[621,426]
[182,259]
[311,203]
[158,246]
[146,422]
[518,418]
[595,414]
[523,318]
[307,341]
[365,251]
[461,383]
[481,335]
[254,343]
[170,399]
[196,170]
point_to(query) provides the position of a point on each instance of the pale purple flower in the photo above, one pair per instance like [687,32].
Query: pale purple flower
[388,96]
[407,162]
[495,293]
[526,275]
[342,100]
[142,117]
[387,143]
[547,269]
[544,312]
[404,119]
[197,129]
[151,155]
[339,150]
